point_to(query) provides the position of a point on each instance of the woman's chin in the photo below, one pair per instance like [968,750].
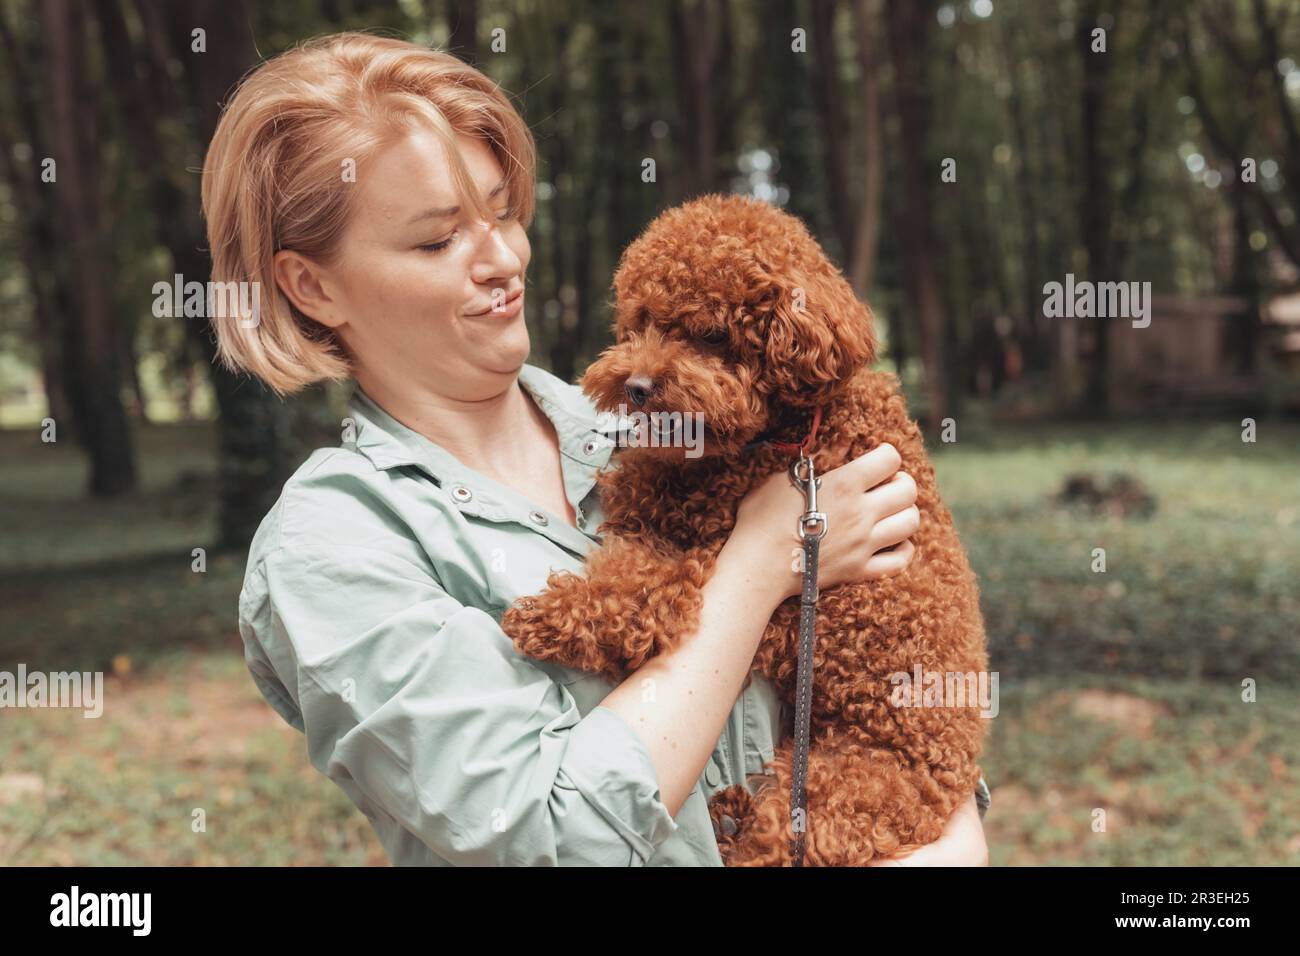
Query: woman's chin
[508,349]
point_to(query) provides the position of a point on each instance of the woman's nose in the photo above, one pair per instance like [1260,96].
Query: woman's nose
[496,258]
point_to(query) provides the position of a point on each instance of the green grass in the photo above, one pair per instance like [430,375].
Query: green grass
[186,766]
[1119,691]
[1204,587]
[83,581]
[1187,774]
[46,522]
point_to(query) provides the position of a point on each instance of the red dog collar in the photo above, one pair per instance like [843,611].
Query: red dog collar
[790,448]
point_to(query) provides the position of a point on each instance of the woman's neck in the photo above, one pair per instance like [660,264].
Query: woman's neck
[484,434]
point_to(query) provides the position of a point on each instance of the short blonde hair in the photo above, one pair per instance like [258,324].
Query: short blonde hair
[274,175]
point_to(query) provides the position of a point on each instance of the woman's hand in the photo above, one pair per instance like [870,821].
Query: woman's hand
[870,506]
[962,843]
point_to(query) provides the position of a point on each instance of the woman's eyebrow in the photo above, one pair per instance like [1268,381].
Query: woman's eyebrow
[444,211]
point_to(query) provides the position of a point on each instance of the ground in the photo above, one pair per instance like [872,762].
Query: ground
[1121,691]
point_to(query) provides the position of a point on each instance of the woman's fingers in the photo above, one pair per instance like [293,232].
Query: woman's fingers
[895,495]
[897,527]
[872,508]
[867,471]
[891,562]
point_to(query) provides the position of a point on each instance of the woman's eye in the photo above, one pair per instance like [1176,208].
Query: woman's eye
[437,246]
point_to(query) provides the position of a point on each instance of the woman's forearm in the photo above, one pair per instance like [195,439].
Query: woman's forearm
[679,701]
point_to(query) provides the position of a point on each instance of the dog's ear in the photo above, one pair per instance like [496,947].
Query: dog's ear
[819,334]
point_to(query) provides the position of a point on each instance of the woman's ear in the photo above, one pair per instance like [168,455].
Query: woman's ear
[819,335]
[302,280]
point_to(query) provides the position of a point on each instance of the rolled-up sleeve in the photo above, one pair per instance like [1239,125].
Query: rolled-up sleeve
[419,708]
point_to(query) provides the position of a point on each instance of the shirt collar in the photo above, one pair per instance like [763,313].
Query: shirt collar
[390,444]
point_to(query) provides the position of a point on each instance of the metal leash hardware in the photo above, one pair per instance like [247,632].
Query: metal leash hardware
[812,528]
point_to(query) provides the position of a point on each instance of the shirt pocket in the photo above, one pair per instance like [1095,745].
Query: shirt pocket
[488,559]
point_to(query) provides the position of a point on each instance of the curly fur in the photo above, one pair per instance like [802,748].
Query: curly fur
[732,309]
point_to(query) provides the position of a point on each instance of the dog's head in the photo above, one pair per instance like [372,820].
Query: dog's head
[727,309]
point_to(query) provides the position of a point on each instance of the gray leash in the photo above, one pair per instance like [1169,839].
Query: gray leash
[812,528]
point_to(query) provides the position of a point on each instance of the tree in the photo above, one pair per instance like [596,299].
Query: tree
[866,233]
[909,27]
[90,343]
[47,283]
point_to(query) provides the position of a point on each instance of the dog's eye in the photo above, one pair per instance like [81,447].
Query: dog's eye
[712,336]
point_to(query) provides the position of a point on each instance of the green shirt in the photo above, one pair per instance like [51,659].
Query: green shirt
[370,614]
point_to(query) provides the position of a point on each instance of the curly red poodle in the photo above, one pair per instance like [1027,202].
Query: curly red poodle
[728,306]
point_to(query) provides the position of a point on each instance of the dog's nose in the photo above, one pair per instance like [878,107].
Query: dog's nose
[639,388]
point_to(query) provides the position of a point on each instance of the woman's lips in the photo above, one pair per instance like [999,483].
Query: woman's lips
[508,310]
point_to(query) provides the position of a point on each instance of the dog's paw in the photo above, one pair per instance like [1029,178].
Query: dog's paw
[535,628]
[568,624]
[730,810]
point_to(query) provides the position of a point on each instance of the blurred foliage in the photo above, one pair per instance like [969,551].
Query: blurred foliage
[1005,89]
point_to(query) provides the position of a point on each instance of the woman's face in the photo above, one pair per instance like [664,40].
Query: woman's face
[424,291]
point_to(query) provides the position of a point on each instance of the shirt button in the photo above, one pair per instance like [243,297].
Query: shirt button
[539,519]
[712,776]
[725,825]
[461,493]
[589,448]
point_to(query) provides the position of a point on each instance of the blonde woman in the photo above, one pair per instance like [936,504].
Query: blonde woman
[380,193]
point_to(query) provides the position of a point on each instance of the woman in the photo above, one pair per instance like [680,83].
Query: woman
[381,191]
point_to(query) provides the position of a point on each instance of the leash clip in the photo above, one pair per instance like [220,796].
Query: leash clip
[812,523]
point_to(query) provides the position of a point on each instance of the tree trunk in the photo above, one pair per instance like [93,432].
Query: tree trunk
[563,204]
[830,104]
[792,132]
[866,234]
[91,342]
[1095,208]
[35,268]
[1031,329]
[908,27]
[43,261]
[1244,334]
[462,22]
[255,430]
[692,35]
